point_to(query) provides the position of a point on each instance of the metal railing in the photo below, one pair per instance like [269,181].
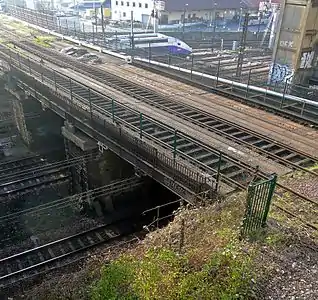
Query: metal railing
[101,120]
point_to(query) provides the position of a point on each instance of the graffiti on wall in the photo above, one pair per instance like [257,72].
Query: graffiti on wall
[307,60]
[280,73]
[287,44]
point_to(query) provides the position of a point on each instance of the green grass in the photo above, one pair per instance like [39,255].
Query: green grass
[214,263]
[163,274]
[44,41]
[313,168]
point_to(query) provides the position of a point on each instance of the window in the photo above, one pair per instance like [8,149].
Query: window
[134,4]
[146,5]
[122,3]
[124,14]
[127,3]
[116,2]
[139,4]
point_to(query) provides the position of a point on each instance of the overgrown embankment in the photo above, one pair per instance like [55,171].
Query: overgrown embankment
[200,256]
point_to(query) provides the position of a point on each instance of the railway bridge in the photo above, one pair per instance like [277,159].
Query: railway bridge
[113,126]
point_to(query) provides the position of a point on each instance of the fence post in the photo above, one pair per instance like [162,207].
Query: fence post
[158,215]
[74,29]
[192,58]
[284,93]
[59,24]
[90,103]
[54,74]
[66,27]
[19,58]
[218,73]
[113,110]
[29,65]
[175,145]
[259,197]
[218,173]
[270,196]
[182,227]
[248,82]
[140,125]
[71,91]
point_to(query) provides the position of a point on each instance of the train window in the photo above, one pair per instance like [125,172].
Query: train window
[134,4]
[140,5]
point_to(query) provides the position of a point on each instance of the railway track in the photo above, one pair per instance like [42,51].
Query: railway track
[18,165]
[201,155]
[38,175]
[262,144]
[24,185]
[294,110]
[32,263]
[30,170]
[235,174]
[288,108]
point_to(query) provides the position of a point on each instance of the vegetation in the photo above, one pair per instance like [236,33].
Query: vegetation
[44,41]
[197,256]
[213,263]
[163,274]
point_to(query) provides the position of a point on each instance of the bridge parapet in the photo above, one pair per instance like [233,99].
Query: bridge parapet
[183,178]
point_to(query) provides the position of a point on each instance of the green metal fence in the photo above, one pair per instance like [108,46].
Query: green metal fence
[259,198]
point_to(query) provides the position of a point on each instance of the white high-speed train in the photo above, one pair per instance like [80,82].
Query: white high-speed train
[157,43]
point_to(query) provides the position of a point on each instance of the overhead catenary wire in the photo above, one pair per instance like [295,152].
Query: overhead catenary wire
[98,192]
[59,164]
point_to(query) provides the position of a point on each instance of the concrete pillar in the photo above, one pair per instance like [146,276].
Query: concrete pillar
[18,110]
[295,51]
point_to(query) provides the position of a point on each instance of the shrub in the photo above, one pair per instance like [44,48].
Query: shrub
[163,274]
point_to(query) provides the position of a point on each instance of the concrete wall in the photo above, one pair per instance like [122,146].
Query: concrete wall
[295,50]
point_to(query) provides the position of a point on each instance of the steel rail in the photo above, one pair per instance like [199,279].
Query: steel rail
[63,82]
[235,90]
[46,167]
[201,74]
[241,186]
[164,103]
[16,267]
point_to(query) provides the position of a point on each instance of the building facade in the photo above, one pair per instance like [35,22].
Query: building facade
[206,10]
[121,10]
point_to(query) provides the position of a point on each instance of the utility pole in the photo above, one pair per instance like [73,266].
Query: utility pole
[102,18]
[132,30]
[183,25]
[242,47]
[214,23]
